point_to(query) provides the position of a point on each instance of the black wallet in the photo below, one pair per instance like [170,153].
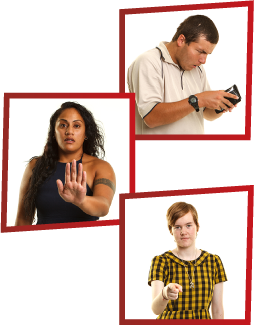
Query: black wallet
[232,90]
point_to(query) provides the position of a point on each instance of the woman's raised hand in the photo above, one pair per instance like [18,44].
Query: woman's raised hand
[74,189]
[171,291]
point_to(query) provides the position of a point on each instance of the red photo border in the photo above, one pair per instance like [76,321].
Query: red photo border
[134,11]
[98,223]
[124,197]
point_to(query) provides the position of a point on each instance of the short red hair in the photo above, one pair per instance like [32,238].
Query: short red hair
[178,210]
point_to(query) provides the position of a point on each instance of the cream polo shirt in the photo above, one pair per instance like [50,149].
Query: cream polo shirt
[155,78]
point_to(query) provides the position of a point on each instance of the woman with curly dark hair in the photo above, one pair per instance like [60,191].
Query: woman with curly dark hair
[68,182]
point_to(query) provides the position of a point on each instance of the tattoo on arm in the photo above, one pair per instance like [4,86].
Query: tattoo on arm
[107,182]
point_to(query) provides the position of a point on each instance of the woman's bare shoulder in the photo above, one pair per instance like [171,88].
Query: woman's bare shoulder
[96,163]
[32,162]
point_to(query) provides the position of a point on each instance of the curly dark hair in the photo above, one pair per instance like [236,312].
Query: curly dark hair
[46,163]
[195,26]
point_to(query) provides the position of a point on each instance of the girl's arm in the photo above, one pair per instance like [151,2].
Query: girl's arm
[217,302]
[158,304]
[170,292]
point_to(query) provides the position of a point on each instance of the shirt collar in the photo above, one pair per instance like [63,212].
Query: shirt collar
[199,260]
[165,54]
[167,57]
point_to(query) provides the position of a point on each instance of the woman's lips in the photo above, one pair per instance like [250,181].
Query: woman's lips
[69,140]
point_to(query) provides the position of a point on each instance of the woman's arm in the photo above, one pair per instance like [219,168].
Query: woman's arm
[170,292]
[74,190]
[158,304]
[20,218]
[104,186]
[217,302]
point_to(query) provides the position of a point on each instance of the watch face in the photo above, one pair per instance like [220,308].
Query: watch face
[193,100]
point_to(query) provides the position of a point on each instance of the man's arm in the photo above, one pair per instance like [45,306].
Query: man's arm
[166,113]
[211,115]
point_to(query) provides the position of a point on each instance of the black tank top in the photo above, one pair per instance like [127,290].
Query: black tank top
[51,208]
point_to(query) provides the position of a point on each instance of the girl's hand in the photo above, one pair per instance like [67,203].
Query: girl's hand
[171,291]
[74,190]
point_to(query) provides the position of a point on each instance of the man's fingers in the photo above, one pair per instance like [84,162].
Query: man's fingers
[230,95]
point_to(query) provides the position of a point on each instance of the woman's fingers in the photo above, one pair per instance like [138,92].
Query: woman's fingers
[175,287]
[172,290]
[59,185]
[71,174]
[173,295]
[73,171]
[67,173]
[83,183]
[80,169]
[179,287]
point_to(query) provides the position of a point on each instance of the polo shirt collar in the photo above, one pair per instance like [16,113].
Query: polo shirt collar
[199,260]
[165,54]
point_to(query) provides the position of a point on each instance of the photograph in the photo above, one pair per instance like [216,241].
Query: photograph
[185,254]
[182,69]
[67,159]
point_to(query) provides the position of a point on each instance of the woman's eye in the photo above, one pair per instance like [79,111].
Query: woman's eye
[62,125]
[76,125]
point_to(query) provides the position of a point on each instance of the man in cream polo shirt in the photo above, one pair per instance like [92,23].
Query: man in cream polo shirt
[172,92]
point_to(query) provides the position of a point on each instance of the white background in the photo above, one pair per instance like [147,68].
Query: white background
[219,224]
[225,67]
[28,139]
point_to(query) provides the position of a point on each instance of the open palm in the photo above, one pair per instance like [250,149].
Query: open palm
[74,189]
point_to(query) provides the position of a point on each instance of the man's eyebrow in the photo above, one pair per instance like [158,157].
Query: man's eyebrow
[62,119]
[203,51]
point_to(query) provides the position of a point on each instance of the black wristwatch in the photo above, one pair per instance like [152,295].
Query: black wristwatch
[193,101]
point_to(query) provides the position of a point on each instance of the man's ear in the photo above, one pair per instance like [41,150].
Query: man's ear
[181,40]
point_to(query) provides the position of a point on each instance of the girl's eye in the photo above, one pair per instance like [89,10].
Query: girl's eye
[77,126]
[62,125]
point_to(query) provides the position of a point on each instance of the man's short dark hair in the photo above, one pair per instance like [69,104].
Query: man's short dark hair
[195,26]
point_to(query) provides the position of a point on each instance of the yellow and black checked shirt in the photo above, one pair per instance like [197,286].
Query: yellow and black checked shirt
[191,303]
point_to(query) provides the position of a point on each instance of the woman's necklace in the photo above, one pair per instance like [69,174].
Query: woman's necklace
[186,269]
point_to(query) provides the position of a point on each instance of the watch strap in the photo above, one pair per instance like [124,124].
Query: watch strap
[193,101]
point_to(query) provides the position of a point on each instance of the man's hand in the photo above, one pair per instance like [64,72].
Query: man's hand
[215,100]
